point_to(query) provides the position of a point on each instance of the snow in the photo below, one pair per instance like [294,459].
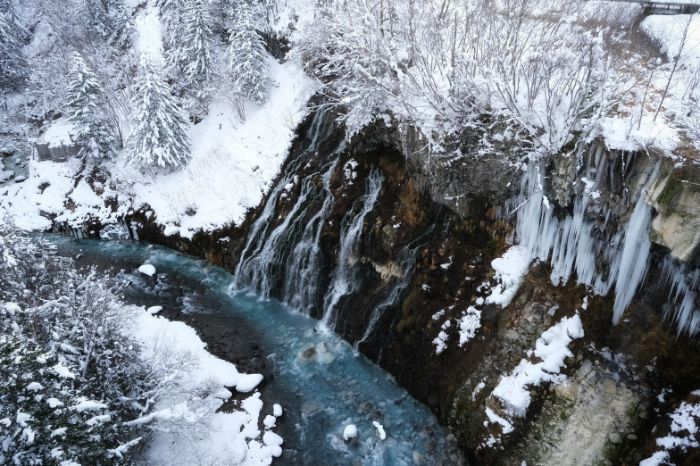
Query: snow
[12,308]
[276,410]
[494,418]
[34,387]
[440,341]
[63,371]
[657,459]
[551,350]
[154,309]
[54,403]
[510,270]
[149,40]
[350,432]
[627,134]
[89,405]
[685,424]
[59,133]
[233,162]
[469,324]
[269,421]
[201,434]
[667,31]
[147,269]
[28,205]
[381,433]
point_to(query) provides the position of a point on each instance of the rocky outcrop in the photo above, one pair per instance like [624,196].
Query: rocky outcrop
[676,199]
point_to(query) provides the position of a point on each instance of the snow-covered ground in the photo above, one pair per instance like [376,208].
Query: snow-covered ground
[189,429]
[685,425]
[233,162]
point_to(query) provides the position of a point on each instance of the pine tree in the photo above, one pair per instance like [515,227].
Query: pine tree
[247,56]
[84,101]
[13,68]
[111,20]
[191,54]
[159,138]
[121,25]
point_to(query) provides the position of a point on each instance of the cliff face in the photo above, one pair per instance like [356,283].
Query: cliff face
[392,247]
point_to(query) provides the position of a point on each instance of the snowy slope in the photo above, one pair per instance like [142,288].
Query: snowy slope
[233,162]
[189,428]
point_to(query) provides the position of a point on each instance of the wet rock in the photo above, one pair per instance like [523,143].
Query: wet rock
[309,353]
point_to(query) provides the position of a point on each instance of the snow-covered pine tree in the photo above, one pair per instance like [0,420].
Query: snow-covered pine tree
[191,56]
[84,100]
[247,56]
[159,138]
[13,69]
[110,20]
[121,25]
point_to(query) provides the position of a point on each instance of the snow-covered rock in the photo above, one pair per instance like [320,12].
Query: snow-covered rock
[381,433]
[147,269]
[350,432]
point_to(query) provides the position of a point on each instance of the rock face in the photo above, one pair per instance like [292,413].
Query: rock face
[391,246]
[676,199]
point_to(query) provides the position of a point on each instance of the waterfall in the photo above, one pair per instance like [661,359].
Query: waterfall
[284,257]
[570,245]
[407,265]
[288,253]
[343,281]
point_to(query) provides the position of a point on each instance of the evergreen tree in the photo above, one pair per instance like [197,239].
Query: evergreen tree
[247,56]
[191,45]
[84,102]
[111,20]
[159,138]
[13,68]
[121,25]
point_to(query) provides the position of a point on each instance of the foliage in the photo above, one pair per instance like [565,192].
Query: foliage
[85,101]
[69,380]
[159,139]
[247,56]
[13,68]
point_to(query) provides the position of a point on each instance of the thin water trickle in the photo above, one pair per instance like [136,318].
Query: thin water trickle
[343,282]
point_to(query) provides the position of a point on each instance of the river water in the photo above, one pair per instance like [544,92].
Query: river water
[321,382]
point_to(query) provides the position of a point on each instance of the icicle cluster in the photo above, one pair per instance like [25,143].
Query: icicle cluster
[571,247]
[683,287]
[619,262]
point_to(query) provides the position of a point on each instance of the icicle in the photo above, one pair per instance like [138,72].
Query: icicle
[632,263]
[569,245]
[682,306]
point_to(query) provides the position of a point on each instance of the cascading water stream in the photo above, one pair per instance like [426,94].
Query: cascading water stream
[284,258]
[316,377]
[407,265]
[343,281]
